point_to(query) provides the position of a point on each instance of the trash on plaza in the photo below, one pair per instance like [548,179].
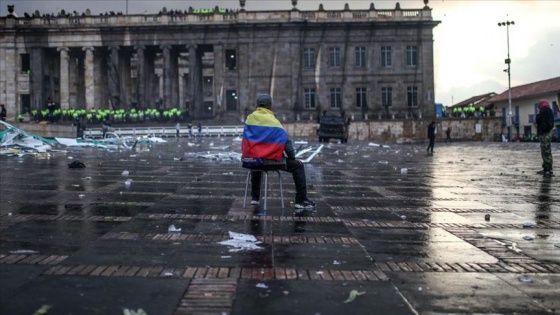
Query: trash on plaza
[525,279]
[404,170]
[528,224]
[487,217]
[336,262]
[140,311]
[353,295]
[16,141]
[173,229]
[241,242]
[125,173]
[42,310]
[528,238]
[377,145]
[261,286]
[76,164]
[128,182]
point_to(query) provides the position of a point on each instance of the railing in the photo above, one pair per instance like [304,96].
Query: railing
[253,16]
[207,131]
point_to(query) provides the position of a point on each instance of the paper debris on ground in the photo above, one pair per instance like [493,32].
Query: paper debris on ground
[239,242]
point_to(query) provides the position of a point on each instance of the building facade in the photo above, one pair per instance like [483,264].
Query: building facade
[363,63]
[524,99]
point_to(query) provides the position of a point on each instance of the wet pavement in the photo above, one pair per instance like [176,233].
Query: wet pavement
[395,231]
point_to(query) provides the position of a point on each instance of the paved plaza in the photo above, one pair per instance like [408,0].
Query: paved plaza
[469,229]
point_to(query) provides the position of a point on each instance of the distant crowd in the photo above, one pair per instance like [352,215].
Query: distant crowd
[163,11]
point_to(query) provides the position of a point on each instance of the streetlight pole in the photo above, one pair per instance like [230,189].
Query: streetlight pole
[508,62]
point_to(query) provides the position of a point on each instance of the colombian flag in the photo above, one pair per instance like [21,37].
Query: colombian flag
[263,136]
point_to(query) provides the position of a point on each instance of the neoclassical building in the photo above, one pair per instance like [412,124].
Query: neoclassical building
[371,64]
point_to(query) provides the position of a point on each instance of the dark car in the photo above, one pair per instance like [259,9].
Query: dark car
[333,127]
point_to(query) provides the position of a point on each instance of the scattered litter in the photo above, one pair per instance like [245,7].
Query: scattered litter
[81,195]
[261,286]
[403,217]
[168,274]
[241,242]
[525,279]
[336,262]
[24,251]
[140,311]
[419,288]
[125,173]
[404,170]
[128,182]
[173,229]
[225,257]
[383,162]
[42,310]
[528,238]
[286,292]
[76,164]
[528,224]
[487,217]
[87,178]
[319,272]
[514,248]
[353,295]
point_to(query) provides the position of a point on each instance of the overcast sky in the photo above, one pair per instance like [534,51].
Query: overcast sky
[470,47]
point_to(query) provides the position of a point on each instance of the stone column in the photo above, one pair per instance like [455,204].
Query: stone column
[89,78]
[195,78]
[167,78]
[114,82]
[64,75]
[219,84]
[38,97]
[140,76]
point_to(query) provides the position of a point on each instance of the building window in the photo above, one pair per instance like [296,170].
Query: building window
[411,56]
[309,57]
[231,59]
[387,96]
[309,98]
[361,97]
[386,58]
[412,96]
[334,57]
[336,97]
[25,63]
[360,57]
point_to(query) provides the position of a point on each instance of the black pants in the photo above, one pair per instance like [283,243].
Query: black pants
[298,173]
[431,145]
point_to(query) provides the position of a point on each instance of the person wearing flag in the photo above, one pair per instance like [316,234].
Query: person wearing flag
[265,144]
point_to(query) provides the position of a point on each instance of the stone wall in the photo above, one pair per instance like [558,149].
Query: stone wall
[383,131]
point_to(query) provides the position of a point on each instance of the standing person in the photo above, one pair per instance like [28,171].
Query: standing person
[265,142]
[431,136]
[51,107]
[2,112]
[104,128]
[448,134]
[80,128]
[190,130]
[199,129]
[177,129]
[545,123]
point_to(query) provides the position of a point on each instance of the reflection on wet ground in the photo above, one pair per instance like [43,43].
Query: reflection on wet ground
[453,233]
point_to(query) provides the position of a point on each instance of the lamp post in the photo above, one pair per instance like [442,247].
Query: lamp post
[508,62]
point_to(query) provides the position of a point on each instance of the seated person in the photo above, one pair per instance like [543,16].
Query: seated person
[265,143]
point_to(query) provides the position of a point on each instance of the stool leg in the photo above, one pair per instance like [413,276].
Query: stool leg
[246,188]
[265,174]
[281,189]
